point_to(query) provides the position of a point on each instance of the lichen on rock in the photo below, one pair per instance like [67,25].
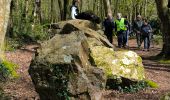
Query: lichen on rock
[125,64]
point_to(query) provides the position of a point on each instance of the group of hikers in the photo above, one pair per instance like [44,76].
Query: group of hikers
[140,27]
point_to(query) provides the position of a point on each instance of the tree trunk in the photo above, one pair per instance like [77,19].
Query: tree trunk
[37,12]
[4,17]
[145,7]
[116,7]
[60,3]
[9,32]
[107,7]
[26,9]
[52,11]
[164,15]
[101,10]
[65,9]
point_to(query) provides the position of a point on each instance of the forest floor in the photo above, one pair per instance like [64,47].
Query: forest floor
[159,73]
[23,89]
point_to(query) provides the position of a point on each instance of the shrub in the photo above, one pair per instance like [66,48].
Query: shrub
[7,70]
[11,44]
[39,33]
[151,84]
[157,39]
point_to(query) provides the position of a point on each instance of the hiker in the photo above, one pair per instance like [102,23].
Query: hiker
[74,9]
[109,26]
[137,29]
[146,34]
[120,28]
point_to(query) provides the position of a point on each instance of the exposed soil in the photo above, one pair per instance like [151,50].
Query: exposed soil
[23,89]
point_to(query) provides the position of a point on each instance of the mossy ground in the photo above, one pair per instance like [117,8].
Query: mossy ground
[164,61]
[8,70]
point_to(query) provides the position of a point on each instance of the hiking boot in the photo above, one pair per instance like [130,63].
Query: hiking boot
[145,50]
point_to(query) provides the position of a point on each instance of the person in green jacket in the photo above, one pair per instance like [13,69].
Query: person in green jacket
[121,28]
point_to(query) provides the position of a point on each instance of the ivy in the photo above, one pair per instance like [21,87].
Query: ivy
[61,81]
[127,86]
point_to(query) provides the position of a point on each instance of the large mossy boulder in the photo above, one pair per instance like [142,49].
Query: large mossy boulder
[76,63]
[125,64]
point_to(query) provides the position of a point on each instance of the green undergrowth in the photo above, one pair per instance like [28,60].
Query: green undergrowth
[164,61]
[161,59]
[11,44]
[127,86]
[157,39]
[151,84]
[8,70]
[165,97]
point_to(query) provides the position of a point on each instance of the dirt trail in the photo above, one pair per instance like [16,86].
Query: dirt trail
[23,89]
[155,71]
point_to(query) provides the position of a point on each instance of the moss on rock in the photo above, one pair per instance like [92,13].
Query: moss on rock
[125,64]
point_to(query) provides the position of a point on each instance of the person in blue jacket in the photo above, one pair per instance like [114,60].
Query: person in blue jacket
[146,34]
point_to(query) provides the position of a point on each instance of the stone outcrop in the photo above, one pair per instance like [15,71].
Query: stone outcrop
[77,62]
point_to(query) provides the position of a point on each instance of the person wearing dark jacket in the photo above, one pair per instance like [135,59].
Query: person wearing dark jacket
[146,34]
[137,29]
[121,28]
[109,26]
